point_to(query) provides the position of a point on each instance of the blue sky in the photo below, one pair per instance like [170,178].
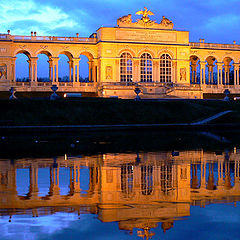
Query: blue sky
[214,20]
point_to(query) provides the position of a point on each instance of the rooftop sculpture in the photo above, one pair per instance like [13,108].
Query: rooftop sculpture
[145,21]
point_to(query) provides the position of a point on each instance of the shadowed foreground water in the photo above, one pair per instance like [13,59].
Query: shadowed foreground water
[191,193]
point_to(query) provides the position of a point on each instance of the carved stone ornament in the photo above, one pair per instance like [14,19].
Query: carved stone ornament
[43,47]
[3,72]
[22,46]
[182,74]
[109,72]
[145,21]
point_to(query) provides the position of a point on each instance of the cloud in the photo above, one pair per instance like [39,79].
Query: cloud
[24,16]
[204,19]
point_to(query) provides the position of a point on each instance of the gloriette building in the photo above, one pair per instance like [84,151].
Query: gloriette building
[152,56]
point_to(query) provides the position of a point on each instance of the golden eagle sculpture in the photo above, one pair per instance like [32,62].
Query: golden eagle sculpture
[145,14]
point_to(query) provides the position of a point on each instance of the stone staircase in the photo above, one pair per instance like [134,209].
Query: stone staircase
[156,92]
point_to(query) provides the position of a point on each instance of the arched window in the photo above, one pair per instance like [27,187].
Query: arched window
[146,67]
[126,67]
[147,180]
[165,68]
[127,179]
[166,178]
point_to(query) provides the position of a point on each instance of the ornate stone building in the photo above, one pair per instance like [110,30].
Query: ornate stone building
[153,56]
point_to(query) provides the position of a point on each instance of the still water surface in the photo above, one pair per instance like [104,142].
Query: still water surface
[189,192]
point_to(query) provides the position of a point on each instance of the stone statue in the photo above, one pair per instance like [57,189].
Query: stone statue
[3,72]
[166,22]
[125,19]
[145,21]
[145,15]
[182,74]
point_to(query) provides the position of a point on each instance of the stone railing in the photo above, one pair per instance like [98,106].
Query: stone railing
[147,84]
[49,84]
[46,38]
[214,45]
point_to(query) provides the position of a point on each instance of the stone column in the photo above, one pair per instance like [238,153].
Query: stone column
[76,69]
[202,72]
[13,69]
[210,74]
[117,62]
[29,70]
[94,71]
[55,182]
[33,174]
[203,174]
[174,71]
[136,70]
[50,61]
[76,178]
[155,70]
[219,75]
[236,74]
[226,74]
[55,70]
[90,64]
[33,61]
[70,64]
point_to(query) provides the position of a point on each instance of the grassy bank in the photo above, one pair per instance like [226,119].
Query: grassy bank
[92,111]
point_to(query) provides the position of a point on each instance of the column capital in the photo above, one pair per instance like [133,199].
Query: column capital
[136,62]
[156,62]
[236,64]
[55,59]
[76,60]
[33,59]
[219,64]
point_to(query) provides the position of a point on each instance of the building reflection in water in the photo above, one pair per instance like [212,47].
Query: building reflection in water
[139,191]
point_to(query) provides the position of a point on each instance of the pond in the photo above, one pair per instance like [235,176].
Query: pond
[135,185]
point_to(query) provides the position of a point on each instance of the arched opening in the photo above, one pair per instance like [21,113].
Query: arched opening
[165,69]
[126,70]
[84,69]
[211,74]
[65,65]
[228,71]
[87,69]
[146,67]
[194,70]
[44,67]
[22,67]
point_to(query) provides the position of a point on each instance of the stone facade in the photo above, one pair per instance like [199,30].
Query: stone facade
[153,56]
